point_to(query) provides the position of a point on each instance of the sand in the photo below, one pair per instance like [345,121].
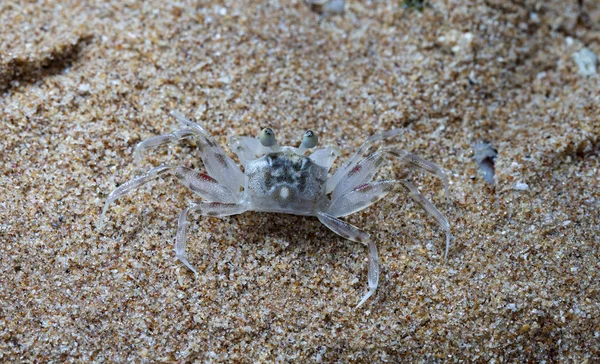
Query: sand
[83,82]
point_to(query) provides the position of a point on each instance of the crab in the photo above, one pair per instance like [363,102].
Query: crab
[283,179]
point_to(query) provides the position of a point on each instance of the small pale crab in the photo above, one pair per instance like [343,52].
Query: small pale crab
[282,179]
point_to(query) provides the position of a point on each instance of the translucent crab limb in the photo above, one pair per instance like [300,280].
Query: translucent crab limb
[325,156]
[364,170]
[203,185]
[416,162]
[216,209]
[181,239]
[360,197]
[221,167]
[361,173]
[354,160]
[430,209]
[247,148]
[351,232]
[130,186]
[190,124]
[161,140]
[216,161]
[367,194]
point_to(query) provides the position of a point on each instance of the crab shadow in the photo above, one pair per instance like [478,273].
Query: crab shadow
[291,233]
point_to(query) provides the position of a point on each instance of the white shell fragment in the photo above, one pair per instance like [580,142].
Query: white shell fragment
[521,186]
[587,61]
[326,7]
[485,156]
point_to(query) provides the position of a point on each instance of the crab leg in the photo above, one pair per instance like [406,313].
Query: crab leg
[418,163]
[130,186]
[351,232]
[246,148]
[325,156]
[203,185]
[364,170]
[365,195]
[190,124]
[161,140]
[216,209]
[361,173]
[217,163]
[360,197]
[430,209]
[355,159]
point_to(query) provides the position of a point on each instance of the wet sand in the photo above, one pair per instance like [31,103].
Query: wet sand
[84,82]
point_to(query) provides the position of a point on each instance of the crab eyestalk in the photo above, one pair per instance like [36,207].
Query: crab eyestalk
[267,139]
[309,140]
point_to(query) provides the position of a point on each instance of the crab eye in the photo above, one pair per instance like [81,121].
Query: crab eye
[309,140]
[267,137]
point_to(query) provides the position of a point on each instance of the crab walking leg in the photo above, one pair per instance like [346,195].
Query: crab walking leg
[351,232]
[416,162]
[361,197]
[355,159]
[161,140]
[430,209]
[216,209]
[361,173]
[364,171]
[203,185]
[218,164]
[367,194]
[325,156]
[246,148]
[190,124]
[130,186]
